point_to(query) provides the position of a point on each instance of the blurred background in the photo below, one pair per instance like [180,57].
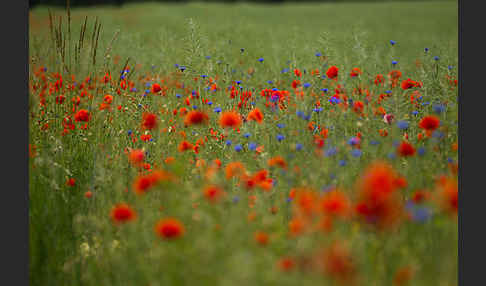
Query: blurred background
[121,2]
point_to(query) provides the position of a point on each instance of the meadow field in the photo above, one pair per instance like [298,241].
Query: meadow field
[245,144]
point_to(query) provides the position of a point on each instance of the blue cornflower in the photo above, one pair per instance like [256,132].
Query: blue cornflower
[280,137]
[388,91]
[318,109]
[307,117]
[438,134]
[324,89]
[421,151]
[342,163]
[306,85]
[450,67]
[238,81]
[426,50]
[323,76]
[415,112]
[330,152]
[391,156]
[353,141]
[236,199]
[450,160]
[238,148]
[300,114]
[439,108]
[129,132]
[133,89]
[139,105]
[204,76]
[194,106]
[394,62]
[402,124]
[182,68]
[298,146]
[242,50]
[374,142]
[285,70]
[260,60]
[421,214]
[335,100]
[217,109]
[178,95]
[208,57]
[280,125]
[269,82]
[392,42]
[252,146]
[210,103]
[356,153]
[436,58]
[228,142]
[247,135]
[318,54]
[176,65]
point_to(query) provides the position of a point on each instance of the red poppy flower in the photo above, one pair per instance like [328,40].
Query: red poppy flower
[234,169]
[71,182]
[408,83]
[156,88]
[378,203]
[286,264]
[195,117]
[405,149]
[379,79]
[230,119]
[332,72]
[261,238]
[277,161]
[355,72]
[256,115]
[429,123]
[358,106]
[213,193]
[82,115]
[295,83]
[169,228]
[137,156]
[108,99]
[122,213]
[335,203]
[185,146]
[149,121]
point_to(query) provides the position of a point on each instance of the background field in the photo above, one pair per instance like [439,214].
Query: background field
[72,238]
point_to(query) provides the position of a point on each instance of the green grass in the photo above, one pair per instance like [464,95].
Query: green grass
[218,247]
